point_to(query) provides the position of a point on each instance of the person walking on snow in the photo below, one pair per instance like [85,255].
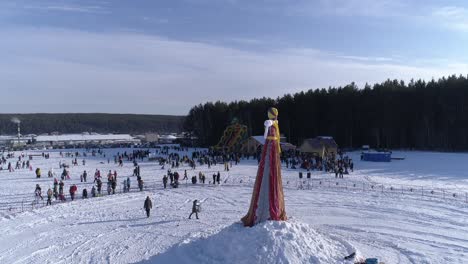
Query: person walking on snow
[195,209]
[38,192]
[109,188]
[165,181]
[113,185]
[61,184]
[148,206]
[124,183]
[73,190]
[140,184]
[49,197]
[99,186]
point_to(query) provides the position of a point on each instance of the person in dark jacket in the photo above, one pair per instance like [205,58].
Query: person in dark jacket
[176,178]
[165,181]
[148,206]
[85,193]
[195,209]
[128,184]
[171,177]
[140,184]
[61,184]
[99,186]
[113,185]
[38,192]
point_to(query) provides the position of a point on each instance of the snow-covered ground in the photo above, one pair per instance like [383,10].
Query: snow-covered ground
[383,210]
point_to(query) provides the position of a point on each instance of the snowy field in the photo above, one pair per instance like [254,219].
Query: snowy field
[407,211]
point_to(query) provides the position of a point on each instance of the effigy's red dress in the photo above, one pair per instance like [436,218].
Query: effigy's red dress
[267,198]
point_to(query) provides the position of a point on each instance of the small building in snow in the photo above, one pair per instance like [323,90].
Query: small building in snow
[319,146]
[151,137]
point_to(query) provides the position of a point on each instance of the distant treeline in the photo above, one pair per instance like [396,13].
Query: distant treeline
[99,123]
[418,115]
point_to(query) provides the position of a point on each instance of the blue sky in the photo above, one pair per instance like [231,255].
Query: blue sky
[162,57]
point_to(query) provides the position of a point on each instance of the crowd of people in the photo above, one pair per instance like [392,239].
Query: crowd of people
[338,164]
[180,163]
[173,159]
[57,191]
[21,162]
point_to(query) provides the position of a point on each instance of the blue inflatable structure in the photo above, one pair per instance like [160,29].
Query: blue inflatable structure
[377,156]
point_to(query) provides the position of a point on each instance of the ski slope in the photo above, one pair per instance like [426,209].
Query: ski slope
[394,227]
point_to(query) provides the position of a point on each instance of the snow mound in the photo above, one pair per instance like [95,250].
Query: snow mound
[269,242]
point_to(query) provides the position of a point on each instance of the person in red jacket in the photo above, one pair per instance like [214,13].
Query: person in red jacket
[73,190]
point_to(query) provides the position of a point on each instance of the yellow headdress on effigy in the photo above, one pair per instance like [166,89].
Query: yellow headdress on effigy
[273,115]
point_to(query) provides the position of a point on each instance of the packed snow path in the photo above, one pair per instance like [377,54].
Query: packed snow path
[114,229]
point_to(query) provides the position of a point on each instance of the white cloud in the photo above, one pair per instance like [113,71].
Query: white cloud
[70,8]
[156,20]
[77,8]
[368,8]
[429,15]
[246,41]
[368,59]
[52,70]
[452,17]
